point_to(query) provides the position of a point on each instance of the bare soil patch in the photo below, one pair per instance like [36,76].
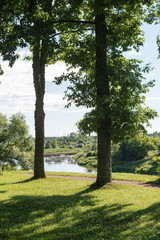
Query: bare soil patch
[125,182]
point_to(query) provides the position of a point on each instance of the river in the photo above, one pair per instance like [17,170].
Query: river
[63,163]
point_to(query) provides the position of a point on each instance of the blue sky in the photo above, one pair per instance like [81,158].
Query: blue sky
[17,91]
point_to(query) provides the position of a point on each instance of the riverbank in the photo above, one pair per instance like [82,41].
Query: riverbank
[59,153]
[144,166]
[89,161]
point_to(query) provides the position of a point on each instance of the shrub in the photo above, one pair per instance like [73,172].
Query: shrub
[87,147]
[89,154]
[8,167]
[80,141]
[80,145]
[134,149]
[157,159]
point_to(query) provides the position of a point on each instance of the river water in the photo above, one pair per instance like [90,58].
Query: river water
[63,163]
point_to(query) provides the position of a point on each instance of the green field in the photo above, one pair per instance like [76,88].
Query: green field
[64,209]
[52,151]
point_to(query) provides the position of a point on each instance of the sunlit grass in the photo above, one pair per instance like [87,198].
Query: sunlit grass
[115,176]
[65,150]
[63,209]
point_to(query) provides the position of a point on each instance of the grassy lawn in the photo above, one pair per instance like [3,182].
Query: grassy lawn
[62,209]
[66,150]
[115,176]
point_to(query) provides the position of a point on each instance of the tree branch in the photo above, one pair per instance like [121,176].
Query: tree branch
[74,21]
[57,34]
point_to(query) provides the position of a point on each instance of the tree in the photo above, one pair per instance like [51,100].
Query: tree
[32,26]
[134,149]
[48,144]
[21,24]
[15,141]
[99,82]
[51,143]
[54,143]
[8,44]
[157,159]
[36,27]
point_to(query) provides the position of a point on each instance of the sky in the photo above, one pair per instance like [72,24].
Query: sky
[17,90]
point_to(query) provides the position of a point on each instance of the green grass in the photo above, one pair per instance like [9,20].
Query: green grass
[61,151]
[62,209]
[115,176]
[145,166]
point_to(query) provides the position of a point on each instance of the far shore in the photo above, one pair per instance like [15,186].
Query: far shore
[58,153]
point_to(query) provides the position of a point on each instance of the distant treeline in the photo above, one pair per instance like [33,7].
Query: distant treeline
[154,134]
[73,140]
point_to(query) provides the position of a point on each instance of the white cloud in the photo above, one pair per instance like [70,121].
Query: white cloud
[146,45]
[54,102]
[55,70]
[152,99]
[79,110]
[24,52]
[151,129]
[134,53]
[17,90]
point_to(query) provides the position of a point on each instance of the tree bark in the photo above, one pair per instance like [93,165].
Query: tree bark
[104,169]
[39,85]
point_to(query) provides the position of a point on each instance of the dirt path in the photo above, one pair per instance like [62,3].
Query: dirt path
[133,183]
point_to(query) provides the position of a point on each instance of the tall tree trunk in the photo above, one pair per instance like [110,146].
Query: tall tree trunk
[104,171]
[39,85]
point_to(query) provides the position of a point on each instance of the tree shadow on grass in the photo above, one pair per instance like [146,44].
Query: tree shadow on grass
[75,217]
[23,181]
[2,192]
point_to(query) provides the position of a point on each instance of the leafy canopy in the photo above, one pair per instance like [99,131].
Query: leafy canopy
[15,141]
[126,98]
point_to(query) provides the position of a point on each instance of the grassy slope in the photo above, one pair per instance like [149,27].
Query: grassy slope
[66,150]
[145,166]
[62,209]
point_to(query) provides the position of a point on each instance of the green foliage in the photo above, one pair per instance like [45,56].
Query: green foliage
[8,167]
[144,166]
[8,39]
[15,141]
[51,143]
[87,159]
[154,134]
[157,159]
[48,145]
[126,98]
[127,95]
[72,141]
[134,149]
[91,154]
[80,145]
[87,148]
[80,141]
